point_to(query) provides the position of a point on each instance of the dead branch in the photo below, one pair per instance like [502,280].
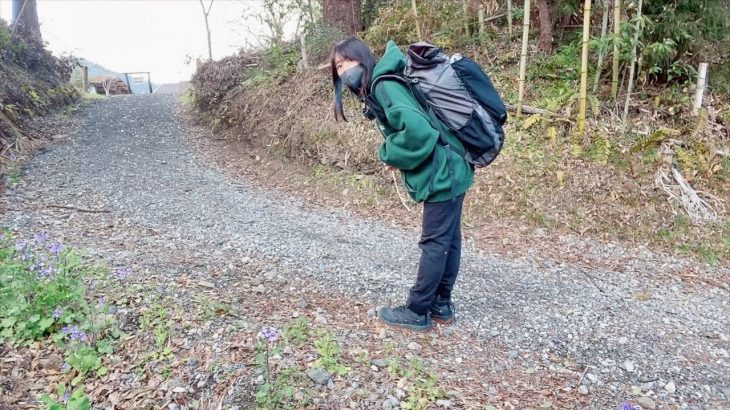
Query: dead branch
[74,208]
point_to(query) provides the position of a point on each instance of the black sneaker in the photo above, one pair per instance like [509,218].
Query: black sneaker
[404,318]
[442,311]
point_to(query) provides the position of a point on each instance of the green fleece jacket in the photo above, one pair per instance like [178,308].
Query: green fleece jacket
[411,141]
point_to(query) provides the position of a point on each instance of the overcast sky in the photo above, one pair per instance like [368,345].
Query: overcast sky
[144,35]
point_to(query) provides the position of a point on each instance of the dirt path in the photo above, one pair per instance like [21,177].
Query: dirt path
[526,334]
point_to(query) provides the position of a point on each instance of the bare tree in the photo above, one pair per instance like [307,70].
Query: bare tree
[107,84]
[206,13]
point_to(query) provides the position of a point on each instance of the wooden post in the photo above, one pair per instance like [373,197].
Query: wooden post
[481,23]
[584,67]
[305,57]
[616,57]
[523,55]
[415,16]
[509,17]
[701,80]
[149,81]
[632,69]
[86,79]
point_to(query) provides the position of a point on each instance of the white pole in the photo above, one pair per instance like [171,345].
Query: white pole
[701,80]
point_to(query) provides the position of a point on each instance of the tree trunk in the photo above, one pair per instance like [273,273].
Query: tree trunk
[25,20]
[584,67]
[343,14]
[546,26]
[523,56]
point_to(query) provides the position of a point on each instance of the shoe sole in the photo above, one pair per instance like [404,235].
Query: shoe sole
[443,321]
[414,328]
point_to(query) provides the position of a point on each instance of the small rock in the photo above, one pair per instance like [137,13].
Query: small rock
[646,403]
[295,315]
[288,350]
[391,403]
[623,340]
[303,303]
[318,375]
[374,368]
[320,320]
[413,346]
[494,333]
[629,366]
[259,289]
[592,377]
[514,354]
[372,313]
[173,406]
[583,390]
[670,387]
[206,284]
[379,362]
[179,389]
[443,403]
[383,334]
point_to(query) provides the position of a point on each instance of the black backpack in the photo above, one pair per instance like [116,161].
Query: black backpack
[456,94]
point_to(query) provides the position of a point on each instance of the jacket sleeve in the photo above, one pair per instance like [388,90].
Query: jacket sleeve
[412,139]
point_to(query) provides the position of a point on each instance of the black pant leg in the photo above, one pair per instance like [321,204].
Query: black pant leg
[436,237]
[453,260]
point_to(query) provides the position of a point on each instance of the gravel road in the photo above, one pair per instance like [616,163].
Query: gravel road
[133,156]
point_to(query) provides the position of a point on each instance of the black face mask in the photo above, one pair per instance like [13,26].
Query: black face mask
[353,78]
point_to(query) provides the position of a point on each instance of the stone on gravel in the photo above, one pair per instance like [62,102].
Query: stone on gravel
[646,403]
[319,375]
[629,366]
[379,362]
[583,390]
[670,387]
[414,346]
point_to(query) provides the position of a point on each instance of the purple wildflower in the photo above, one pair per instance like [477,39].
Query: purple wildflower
[55,248]
[20,246]
[102,302]
[65,330]
[57,313]
[124,273]
[78,334]
[270,333]
[45,272]
[66,396]
[629,406]
[41,237]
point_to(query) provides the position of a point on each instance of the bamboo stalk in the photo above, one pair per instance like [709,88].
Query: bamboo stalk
[509,17]
[481,23]
[616,56]
[602,52]
[632,69]
[701,77]
[523,55]
[415,16]
[584,67]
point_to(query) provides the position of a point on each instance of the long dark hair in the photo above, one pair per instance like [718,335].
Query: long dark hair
[354,49]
